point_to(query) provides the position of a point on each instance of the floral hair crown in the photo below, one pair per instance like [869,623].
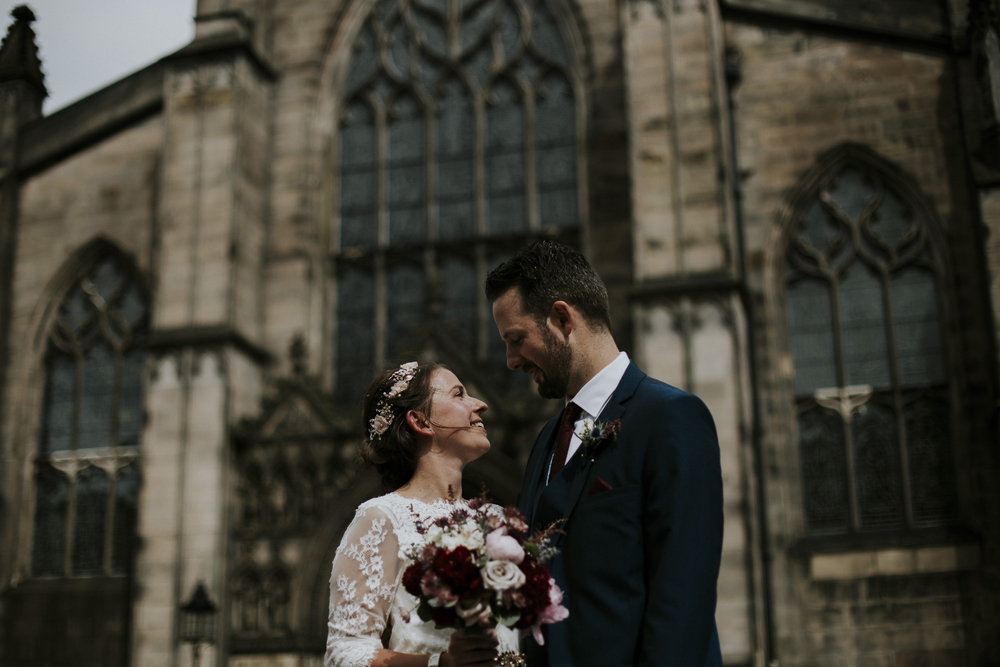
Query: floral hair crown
[383,415]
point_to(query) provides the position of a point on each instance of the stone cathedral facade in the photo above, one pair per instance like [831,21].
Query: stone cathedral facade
[795,205]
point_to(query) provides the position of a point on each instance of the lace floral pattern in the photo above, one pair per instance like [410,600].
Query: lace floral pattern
[365,595]
[371,565]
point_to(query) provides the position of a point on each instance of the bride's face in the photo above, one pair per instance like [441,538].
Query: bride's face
[457,417]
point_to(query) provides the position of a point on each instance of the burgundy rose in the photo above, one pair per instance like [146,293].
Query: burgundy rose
[411,579]
[456,569]
[535,591]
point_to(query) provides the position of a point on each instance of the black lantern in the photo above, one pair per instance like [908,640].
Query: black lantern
[198,621]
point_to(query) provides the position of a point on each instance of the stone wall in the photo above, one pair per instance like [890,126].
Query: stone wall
[803,92]
[107,192]
[220,194]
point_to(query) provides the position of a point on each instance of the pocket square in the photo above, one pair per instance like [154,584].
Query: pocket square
[598,487]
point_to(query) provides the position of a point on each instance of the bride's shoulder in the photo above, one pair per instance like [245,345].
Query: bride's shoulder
[380,504]
[372,517]
[391,505]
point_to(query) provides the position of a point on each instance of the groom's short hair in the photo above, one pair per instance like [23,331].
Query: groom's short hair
[545,272]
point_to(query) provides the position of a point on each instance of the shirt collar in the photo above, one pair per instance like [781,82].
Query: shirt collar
[595,394]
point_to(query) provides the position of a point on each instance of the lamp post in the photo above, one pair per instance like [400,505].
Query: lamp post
[198,622]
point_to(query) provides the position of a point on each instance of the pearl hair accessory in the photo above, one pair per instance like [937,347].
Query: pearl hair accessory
[383,416]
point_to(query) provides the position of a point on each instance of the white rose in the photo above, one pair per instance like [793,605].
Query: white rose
[473,536]
[451,540]
[466,535]
[432,533]
[500,575]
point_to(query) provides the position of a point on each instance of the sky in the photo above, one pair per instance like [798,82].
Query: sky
[86,44]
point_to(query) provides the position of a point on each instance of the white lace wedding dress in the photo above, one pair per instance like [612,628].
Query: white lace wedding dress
[365,591]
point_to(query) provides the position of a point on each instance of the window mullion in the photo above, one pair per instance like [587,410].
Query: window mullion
[838,334]
[116,397]
[382,177]
[382,235]
[479,160]
[70,523]
[74,439]
[530,170]
[582,182]
[852,479]
[109,521]
[381,316]
[430,174]
[838,350]
[897,397]
[483,310]
[434,299]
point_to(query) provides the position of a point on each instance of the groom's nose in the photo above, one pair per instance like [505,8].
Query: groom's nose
[514,359]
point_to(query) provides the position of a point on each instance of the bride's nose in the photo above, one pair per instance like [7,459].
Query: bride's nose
[481,406]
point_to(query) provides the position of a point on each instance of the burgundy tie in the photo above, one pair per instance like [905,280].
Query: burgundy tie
[563,436]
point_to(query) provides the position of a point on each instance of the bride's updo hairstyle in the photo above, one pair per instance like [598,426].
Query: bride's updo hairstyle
[390,447]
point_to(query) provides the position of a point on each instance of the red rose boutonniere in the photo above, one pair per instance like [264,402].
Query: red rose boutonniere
[597,432]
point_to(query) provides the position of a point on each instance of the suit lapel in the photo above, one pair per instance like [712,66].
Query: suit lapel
[615,409]
[535,469]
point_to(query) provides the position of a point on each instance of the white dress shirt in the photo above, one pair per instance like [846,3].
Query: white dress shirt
[594,396]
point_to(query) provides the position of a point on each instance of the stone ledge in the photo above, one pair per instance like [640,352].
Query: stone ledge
[90,120]
[893,562]
[161,340]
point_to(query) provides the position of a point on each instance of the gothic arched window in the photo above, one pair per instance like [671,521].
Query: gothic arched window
[458,141]
[866,326]
[87,480]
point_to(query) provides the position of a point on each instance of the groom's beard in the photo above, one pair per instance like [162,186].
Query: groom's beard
[557,368]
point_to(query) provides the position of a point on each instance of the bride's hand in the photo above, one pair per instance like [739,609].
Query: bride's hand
[469,650]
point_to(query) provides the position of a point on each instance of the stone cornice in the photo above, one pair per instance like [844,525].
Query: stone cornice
[686,286]
[793,16]
[120,105]
[223,46]
[86,122]
[164,340]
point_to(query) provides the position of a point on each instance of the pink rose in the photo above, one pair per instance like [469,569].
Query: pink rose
[554,613]
[504,547]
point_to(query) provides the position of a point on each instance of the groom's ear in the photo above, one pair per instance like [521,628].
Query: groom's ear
[419,423]
[563,317]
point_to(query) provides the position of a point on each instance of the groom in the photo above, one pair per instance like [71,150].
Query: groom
[641,492]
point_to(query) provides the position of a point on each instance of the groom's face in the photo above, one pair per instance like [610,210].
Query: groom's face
[534,347]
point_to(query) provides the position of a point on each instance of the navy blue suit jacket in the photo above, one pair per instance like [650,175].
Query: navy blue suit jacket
[639,561]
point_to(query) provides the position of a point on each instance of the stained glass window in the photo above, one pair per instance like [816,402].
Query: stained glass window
[866,336]
[458,142]
[87,484]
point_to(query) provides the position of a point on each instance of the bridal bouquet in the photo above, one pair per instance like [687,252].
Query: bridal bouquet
[478,567]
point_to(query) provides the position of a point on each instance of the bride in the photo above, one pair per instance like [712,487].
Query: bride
[423,429]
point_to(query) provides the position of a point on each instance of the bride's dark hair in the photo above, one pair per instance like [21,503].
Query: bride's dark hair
[393,454]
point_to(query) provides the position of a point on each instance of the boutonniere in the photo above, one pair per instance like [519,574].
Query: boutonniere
[597,431]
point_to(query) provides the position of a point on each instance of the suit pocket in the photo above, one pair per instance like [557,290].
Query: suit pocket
[622,493]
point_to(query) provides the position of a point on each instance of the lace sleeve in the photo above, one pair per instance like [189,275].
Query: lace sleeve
[362,589]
